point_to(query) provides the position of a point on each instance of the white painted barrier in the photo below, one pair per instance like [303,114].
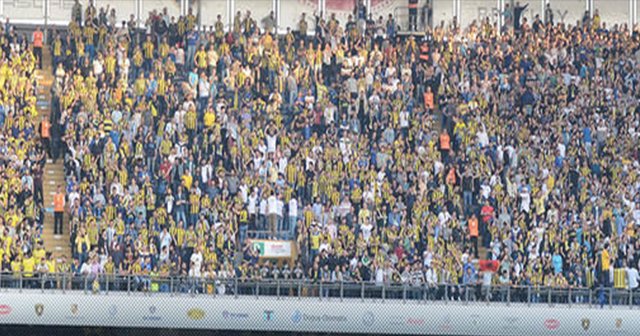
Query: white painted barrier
[310,315]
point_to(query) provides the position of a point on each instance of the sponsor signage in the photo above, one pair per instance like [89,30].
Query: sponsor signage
[39,307]
[298,317]
[308,314]
[551,324]
[152,314]
[195,314]
[273,249]
[75,311]
[5,310]
[227,315]
[268,315]
[511,323]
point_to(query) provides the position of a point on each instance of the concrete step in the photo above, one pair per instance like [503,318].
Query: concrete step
[53,173]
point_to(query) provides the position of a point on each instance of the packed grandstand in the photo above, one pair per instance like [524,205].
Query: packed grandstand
[470,157]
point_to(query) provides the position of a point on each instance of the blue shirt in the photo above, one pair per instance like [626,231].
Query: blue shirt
[192,39]
[556,260]
[586,134]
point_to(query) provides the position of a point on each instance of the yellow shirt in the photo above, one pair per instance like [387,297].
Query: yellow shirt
[605,260]
[187,181]
[28,266]
[209,119]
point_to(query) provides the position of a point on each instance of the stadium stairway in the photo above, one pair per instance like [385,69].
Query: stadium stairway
[53,172]
[437,125]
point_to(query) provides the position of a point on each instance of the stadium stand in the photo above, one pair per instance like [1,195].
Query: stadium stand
[453,162]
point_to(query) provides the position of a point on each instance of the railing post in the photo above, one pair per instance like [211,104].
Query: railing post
[590,296]
[528,295]
[341,290]
[86,280]
[404,293]
[21,282]
[384,294]
[611,289]
[549,297]
[42,283]
[171,286]
[446,293]
[128,284]
[466,294]
[488,294]
[320,290]
[631,298]
[570,297]
[257,289]
[64,283]
[299,290]
[508,295]
[362,291]
[278,289]
[235,285]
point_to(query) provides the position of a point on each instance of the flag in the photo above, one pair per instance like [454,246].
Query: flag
[489,265]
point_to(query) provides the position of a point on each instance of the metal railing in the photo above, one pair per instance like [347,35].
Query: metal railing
[104,284]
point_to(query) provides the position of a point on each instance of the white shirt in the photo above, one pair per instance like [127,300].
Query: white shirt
[73,196]
[279,207]
[444,217]
[272,205]
[251,207]
[282,164]
[632,277]
[562,149]
[271,143]
[483,138]
[366,230]
[206,173]
[636,216]
[526,201]
[97,67]
[263,206]
[196,259]
[169,199]
[431,277]
[293,208]
[165,239]
[180,56]
[379,276]
[404,119]
[203,88]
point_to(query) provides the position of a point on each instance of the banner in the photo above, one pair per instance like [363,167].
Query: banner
[271,314]
[273,248]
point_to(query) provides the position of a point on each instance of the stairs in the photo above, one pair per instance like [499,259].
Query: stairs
[53,172]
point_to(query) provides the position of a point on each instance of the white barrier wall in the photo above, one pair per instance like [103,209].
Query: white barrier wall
[311,315]
[568,11]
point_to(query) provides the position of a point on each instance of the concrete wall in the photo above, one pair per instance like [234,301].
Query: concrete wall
[311,315]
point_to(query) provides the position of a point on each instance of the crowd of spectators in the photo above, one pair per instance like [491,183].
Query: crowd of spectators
[22,155]
[384,158]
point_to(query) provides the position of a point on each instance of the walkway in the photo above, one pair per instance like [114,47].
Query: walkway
[53,172]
